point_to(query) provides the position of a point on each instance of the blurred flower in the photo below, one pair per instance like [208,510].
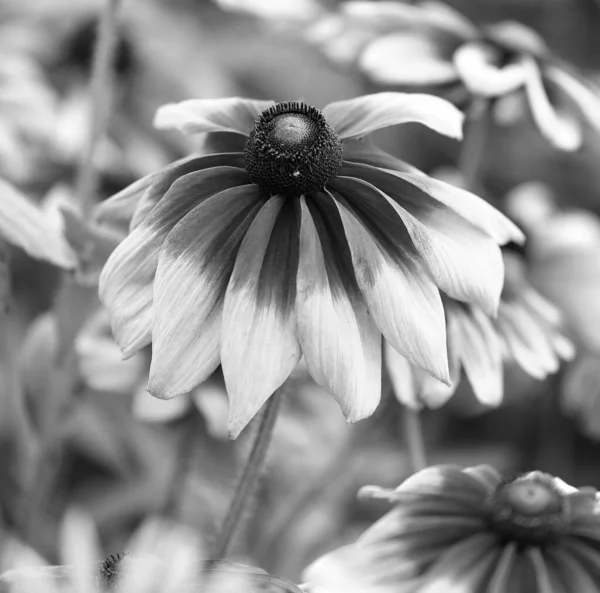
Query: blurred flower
[526,331]
[308,242]
[162,557]
[292,9]
[430,45]
[23,224]
[470,531]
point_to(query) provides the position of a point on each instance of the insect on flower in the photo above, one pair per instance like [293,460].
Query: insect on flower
[310,242]
[467,530]
[430,45]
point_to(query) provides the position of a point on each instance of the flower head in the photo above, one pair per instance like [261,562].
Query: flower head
[526,331]
[311,243]
[430,45]
[469,531]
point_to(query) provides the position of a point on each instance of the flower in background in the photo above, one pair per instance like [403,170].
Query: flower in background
[23,224]
[431,45]
[309,242]
[527,331]
[468,530]
[162,557]
[563,256]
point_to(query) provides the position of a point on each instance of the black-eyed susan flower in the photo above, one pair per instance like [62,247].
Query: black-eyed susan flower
[470,531]
[429,45]
[527,331]
[309,242]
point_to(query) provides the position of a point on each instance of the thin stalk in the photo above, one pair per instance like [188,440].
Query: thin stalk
[474,143]
[101,93]
[413,430]
[250,475]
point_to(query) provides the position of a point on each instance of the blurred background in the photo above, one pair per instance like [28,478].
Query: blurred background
[77,427]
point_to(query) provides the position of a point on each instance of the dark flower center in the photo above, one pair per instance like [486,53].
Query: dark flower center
[292,150]
[529,511]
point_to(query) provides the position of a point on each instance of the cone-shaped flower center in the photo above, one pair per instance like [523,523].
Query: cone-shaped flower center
[292,150]
[530,510]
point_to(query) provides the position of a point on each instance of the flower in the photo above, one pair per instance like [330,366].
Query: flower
[431,45]
[526,331]
[23,224]
[467,530]
[309,243]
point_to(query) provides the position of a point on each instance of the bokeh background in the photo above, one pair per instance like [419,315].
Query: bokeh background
[76,425]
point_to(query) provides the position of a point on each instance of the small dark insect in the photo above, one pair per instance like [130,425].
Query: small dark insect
[109,569]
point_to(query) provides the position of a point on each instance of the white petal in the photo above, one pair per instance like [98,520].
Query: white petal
[560,129]
[476,65]
[360,116]
[407,58]
[403,301]
[234,114]
[259,348]
[24,225]
[340,341]
[194,268]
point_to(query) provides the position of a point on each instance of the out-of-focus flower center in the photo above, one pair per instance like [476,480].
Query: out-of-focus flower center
[292,150]
[530,511]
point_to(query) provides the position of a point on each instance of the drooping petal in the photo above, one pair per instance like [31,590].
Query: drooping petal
[586,97]
[408,58]
[126,282]
[477,65]
[162,180]
[560,129]
[420,194]
[24,225]
[414,387]
[471,335]
[401,298]
[194,268]
[464,262]
[360,116]
[517,37]
[233,114]
[340,341]
[259,348]
[361,151]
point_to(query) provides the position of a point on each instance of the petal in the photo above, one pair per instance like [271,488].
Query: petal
[234,114]
[476,63]
[361,151]
[403,301]
[195,265]
[414,387]
[340,341]
[464,262]
[560,129]
[151,409]
[24,225]
[162,181]
[420,194]
[259,348]
[499,578]
[472,336]
[463,568]
[126,282]
[408,58]
[586,96]
[517,37]
[360,116]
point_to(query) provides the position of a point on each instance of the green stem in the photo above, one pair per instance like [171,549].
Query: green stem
[250,475]
[413,430]
[474,144]
[101,92]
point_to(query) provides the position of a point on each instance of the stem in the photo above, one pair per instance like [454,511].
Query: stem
[101,92]
[474,144]
[414,439]
[249,475]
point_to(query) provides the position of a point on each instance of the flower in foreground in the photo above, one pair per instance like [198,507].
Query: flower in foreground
[429,45]
[527,331]
[310,242]
[467,530]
